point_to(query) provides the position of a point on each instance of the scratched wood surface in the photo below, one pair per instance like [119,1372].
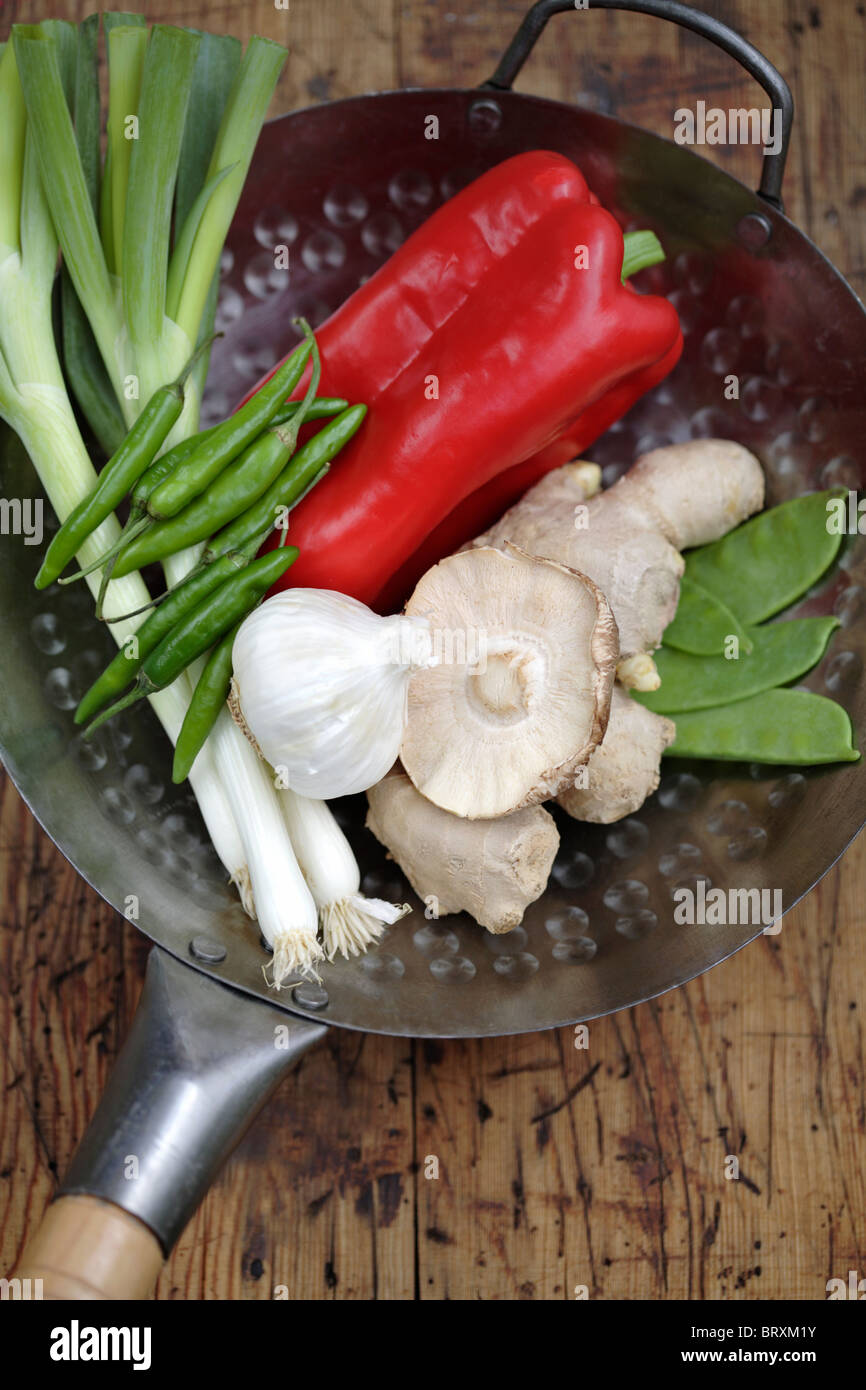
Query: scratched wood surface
[559,1168]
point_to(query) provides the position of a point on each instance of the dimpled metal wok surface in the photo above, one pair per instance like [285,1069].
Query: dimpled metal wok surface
[341,185]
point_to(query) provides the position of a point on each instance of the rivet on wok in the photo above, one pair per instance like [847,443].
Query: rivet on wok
[202,948]
[310,995]
[485,116]
[754,230]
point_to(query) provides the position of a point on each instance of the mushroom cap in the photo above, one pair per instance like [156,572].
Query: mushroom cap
[525,651]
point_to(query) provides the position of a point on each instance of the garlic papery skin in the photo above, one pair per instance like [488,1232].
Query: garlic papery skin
[350,922]
[320,686]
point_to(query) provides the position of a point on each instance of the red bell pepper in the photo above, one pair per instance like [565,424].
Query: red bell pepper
[489,335]
[477,513]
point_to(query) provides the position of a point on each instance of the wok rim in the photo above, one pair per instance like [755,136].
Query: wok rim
[499,93]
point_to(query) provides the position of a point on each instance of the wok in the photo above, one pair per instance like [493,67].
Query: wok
[341,185]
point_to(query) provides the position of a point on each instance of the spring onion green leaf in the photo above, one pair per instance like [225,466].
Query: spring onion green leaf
[13,120]
[82,363]
[183,248]
[165,89]
[126,50]
[236,140]
[50,193]
[74,222]
[216,68]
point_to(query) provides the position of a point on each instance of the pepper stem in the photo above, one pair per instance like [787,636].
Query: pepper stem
[127,535]
[640,249]
[136,694]
[103,586]
[176,386]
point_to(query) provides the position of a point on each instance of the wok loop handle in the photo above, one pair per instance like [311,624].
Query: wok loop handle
[749,57]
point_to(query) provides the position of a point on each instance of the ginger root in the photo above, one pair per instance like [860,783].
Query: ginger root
[624,770]
[628,539]
[492,869]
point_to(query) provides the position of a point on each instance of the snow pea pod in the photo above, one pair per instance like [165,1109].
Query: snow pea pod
[777,726]
[781,653]
[702,623]
[771,560]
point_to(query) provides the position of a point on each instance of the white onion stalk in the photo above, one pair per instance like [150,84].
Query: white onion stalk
[40,413]
[145,302]
[350,922]
[285,908]
[124,291]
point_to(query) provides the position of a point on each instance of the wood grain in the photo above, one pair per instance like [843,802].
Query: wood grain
[526,1167]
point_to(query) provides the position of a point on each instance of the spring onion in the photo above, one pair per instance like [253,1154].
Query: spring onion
[46,198]
[285,908]
[350,922]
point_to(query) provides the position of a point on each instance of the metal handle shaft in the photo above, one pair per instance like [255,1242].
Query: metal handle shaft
[199,1062]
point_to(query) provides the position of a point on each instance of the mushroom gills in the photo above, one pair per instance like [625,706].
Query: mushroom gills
[507,728]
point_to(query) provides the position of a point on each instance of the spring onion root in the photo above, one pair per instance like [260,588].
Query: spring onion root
[350,921]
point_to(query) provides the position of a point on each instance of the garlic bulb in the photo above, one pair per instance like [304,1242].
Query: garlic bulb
[320,687]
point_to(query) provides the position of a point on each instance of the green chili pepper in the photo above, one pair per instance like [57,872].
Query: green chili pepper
[702,623]
[770,561]
[323,407]
[229,439]
[232,492]
[126,664]
[209,696]
[235,488]
[320,409]
[307,466]
[120,473]
[135,522]
[200,628]
[781,653]
[777,726]
[165,464]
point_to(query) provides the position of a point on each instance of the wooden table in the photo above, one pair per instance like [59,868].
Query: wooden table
[557,1167]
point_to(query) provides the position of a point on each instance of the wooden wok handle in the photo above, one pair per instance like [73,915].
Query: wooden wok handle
[90,1249]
